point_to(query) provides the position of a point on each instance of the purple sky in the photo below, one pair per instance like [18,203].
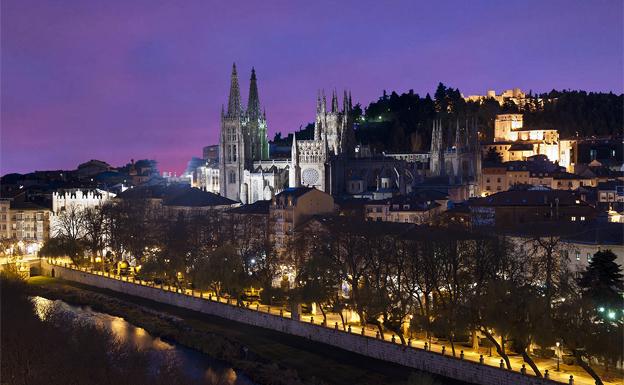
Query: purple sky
[115,80]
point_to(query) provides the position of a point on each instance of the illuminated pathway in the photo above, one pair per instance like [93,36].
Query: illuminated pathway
[334,321]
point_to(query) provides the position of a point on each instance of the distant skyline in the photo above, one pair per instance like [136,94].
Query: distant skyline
[115,80]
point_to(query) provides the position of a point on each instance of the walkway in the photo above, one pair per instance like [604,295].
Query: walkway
[334,321]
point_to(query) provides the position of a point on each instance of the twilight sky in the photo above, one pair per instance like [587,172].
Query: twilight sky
[115,80]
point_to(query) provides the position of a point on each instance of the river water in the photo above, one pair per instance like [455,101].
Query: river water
[195,364]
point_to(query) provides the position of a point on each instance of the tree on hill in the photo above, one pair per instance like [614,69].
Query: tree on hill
[493,156]
[603,282]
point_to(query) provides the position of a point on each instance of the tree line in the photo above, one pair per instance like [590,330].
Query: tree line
[431,282]
[402,122]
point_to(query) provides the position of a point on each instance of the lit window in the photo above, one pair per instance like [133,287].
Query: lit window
[578,255]
[589,257]
[573,219]
[582,218]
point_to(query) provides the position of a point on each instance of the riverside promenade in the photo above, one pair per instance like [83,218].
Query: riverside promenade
[468,365]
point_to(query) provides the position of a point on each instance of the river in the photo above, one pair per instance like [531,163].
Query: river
[195,364]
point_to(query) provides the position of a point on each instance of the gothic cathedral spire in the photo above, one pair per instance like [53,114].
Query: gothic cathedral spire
[253,103]
[334,107]
[234,103]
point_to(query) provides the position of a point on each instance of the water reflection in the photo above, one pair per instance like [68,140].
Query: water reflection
[195,364]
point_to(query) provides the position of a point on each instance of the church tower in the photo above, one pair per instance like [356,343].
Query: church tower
[436,162]
[294,172]
[232,143]
[335,124]
[255,124]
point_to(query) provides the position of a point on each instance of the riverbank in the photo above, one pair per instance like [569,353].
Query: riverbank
[265,356]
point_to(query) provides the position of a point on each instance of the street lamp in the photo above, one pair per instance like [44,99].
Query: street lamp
[558,353]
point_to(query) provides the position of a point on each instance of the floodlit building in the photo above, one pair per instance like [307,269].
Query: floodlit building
[292,207]
[418,208]
[327,161]
[26,223]
[515,96]
[75,199]
[208,177]
[455,153]
[536,171]
[512,141]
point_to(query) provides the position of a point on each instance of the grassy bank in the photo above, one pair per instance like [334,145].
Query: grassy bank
[266,356]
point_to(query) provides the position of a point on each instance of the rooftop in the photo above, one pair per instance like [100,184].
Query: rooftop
[258,207]
[530,197]
[176,195]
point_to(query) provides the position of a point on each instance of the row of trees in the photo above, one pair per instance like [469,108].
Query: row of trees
[441,282]
[517,293]
[393,118]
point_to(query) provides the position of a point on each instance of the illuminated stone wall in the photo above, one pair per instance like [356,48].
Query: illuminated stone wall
[383,350]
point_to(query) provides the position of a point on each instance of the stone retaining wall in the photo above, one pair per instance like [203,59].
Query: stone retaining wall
[420,359]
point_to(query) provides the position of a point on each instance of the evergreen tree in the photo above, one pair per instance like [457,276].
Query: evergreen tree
[602,282]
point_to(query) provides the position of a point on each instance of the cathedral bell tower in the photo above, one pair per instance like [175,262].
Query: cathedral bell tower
[231,143]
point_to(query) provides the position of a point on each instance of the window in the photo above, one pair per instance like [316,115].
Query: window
[573,219]
[578,255]
[592,154]
[232,177]
[589,257]
[582,218]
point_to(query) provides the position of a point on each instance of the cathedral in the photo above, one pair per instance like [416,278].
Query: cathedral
[246,172]
[457,158]
[243,138]
[333,137]
[327,162]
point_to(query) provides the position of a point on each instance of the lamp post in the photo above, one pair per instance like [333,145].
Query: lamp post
[558,353]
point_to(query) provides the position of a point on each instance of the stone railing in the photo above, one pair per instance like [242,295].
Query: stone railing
[470,369]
